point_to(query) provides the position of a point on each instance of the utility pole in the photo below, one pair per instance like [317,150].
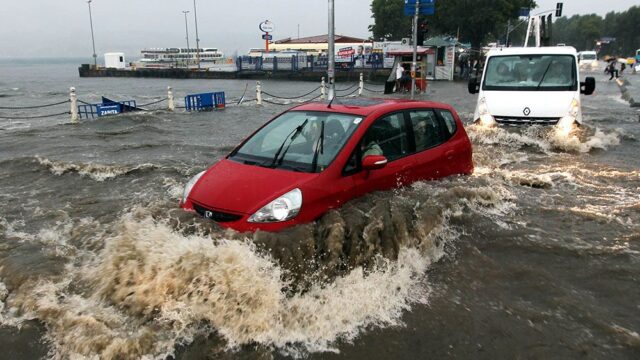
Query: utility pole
[414,63]
[331,68]
[186,29]
[195,15]
[93,41]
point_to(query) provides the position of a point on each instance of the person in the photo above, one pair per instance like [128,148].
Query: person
[372,148]
[612,69]
[622,67]
[557,74]
[399,73]
[503,75]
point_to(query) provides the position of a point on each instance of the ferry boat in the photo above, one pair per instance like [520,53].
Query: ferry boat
[180,58]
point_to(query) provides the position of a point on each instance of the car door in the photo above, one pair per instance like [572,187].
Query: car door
[429,133]
[389,132]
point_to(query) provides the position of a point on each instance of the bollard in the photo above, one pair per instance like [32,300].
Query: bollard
[322,89]
[74,105]
[170,102]
[361,86]
[258,93]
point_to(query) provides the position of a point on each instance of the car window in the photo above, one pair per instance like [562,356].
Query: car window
[427,129]
[386,136]
[449,121]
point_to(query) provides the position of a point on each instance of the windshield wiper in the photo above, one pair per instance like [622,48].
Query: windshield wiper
[543,75]
[319,148]
[292,136]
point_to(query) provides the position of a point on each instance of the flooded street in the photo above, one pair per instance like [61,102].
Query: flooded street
[536,255]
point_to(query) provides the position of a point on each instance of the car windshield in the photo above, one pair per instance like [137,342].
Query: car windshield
[306,141]
[531,73]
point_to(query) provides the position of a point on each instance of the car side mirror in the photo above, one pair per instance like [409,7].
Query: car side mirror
[588,86]
[374,162]
[474,86]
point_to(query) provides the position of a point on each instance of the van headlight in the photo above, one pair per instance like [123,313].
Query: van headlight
[189,186]
[566,123]
[283,208]
[485,119]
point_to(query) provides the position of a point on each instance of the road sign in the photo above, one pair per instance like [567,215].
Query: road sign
[425,7]
[267,37]
[266,26]
[559,9]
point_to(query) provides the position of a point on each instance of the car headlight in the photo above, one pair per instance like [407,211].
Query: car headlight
[189,186]
[283,208]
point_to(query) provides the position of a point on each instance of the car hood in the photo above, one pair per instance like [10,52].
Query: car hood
[540,103]
[241,188]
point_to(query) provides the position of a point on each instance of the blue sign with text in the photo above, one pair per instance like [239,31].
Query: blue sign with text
[104,110]
[267,37]
[425,7]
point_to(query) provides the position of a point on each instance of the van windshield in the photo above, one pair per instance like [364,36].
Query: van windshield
[305,141]
[588,56]
[531,73]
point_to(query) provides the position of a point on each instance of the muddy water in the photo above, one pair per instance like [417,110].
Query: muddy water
[534,255]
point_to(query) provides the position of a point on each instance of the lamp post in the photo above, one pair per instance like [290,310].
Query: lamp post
[93,41]
[186,30]
[331,68]
[195,15]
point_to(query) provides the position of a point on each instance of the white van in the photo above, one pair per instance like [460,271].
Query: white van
[530,85]
[587,59]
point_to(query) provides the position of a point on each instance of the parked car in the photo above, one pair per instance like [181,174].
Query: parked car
[317,156]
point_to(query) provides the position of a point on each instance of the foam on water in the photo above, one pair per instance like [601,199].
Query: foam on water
[97,172]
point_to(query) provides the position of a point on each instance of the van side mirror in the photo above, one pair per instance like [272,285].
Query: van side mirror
[474,86]
[373,162]
[588,86]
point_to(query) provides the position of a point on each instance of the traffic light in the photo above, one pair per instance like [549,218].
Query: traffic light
[423,28]
[558,9]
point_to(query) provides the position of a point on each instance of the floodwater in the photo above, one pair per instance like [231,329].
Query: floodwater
[536,255]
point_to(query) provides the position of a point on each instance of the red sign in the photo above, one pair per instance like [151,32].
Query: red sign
[348,51]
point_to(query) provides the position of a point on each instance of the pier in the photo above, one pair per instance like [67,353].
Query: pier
[374,75]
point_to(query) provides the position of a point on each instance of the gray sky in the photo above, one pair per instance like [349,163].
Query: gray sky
[60,28]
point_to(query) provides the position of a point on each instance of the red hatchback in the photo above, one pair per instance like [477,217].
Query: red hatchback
[317,156]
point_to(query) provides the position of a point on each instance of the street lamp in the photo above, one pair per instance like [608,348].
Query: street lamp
[331,68]
[195,15]
[186,29]
[93,41]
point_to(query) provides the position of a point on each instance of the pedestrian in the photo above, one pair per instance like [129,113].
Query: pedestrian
[622,67]
[612,70]
[399,74]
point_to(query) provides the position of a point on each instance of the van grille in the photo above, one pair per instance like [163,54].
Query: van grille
[521,120]
[215,215]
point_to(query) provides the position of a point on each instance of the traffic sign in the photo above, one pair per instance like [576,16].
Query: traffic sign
[267,37]
[266,26]
[425,7]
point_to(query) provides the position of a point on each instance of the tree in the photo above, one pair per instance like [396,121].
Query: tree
[390,21]
[476,20]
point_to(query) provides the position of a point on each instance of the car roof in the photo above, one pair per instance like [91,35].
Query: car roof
[546,50]
[366,106]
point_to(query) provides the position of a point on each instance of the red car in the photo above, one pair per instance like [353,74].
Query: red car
[317,156]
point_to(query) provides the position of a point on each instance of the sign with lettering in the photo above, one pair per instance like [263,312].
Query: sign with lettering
[104,110]
[266,26]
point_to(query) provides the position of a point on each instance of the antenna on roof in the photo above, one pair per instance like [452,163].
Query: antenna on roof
[331,102]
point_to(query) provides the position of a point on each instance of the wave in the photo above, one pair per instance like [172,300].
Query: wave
[155,285]
[98,172]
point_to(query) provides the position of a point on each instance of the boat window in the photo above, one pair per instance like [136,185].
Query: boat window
[531,72]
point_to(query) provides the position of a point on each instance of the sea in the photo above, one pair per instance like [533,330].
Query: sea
[535,255]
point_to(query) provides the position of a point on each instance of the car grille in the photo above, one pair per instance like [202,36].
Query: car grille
[215,215]
[521,120]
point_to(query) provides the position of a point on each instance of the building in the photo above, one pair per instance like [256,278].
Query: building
[314,45]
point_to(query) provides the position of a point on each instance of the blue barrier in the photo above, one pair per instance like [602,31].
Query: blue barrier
[204,101]
[105,108]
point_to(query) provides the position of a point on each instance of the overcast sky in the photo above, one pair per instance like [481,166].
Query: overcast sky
[60,28]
